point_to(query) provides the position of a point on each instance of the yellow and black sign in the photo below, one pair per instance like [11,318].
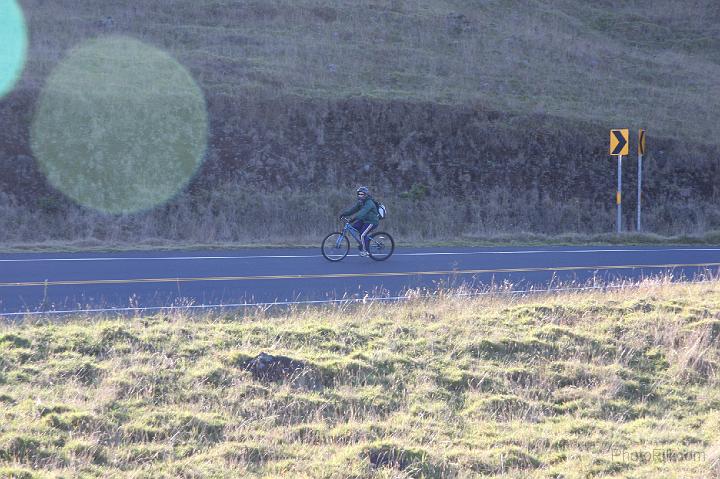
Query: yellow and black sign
[619,144]
[642,147]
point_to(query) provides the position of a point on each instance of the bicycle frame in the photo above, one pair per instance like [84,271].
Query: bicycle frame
[349,228]
[353,232]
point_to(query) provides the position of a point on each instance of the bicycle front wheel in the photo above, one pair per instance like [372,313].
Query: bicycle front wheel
[335,246]
[382,246]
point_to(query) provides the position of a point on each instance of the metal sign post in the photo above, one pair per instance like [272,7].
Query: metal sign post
[619,147]
[618,196]
[641,153]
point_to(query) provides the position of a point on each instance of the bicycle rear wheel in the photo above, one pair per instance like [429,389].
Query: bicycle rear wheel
[382,246]
[335,246]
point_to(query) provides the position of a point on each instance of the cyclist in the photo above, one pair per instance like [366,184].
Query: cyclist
[366,217]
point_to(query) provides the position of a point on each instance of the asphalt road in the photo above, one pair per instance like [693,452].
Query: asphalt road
[72,282]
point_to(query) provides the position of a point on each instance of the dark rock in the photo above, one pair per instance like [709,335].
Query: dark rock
[267,367]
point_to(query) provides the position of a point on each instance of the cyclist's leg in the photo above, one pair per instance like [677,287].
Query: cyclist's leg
[363,235]
[360,226]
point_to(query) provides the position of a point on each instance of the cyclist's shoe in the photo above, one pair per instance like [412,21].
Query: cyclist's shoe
[364,254]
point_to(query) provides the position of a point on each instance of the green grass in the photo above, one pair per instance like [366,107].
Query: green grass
[570,385]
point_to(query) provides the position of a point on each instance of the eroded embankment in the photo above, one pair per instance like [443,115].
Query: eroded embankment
[444,171]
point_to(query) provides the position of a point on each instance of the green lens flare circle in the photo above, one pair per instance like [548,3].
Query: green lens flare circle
[13,44]
[120,126]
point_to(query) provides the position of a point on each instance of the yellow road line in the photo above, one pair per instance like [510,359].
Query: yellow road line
[353,275]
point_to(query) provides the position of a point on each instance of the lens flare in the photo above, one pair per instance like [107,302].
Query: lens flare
[120,126]
[13,44]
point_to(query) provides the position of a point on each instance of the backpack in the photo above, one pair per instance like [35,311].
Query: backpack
[382,211]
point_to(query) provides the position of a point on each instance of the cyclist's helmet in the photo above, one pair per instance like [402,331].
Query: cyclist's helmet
[363,189]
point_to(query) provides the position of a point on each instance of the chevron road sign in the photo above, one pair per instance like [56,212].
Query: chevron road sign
[619,144]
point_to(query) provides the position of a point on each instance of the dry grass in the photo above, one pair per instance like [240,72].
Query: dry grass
[231,216]
[642,63]
[570,385]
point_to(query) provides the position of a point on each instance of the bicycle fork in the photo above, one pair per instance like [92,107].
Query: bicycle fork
[338,243]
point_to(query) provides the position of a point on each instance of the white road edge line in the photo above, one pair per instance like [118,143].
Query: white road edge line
[438,253]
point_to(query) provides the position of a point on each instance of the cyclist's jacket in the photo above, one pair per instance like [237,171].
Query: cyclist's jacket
[365,211]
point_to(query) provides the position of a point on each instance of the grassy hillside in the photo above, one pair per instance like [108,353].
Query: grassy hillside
[619,384]
[639,63]
[499,108]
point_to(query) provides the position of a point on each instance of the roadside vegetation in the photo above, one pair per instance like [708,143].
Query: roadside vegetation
[409,240]
[621,383]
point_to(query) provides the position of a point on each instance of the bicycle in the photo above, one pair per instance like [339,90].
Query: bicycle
[336,245]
